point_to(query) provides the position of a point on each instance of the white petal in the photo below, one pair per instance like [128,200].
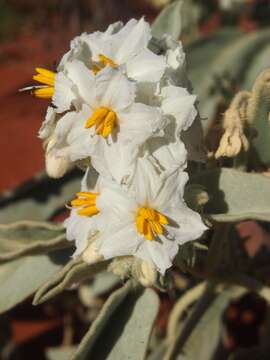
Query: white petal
[136,39]
[48,124]
[74,141]
[115,161]
[146,66]
[171,191]
[180,104]
[121,241]
[160,254]
[84,80]
[139,122]
[117,203]
[146,182]
[168,155]
[114,90]
[63,93]
[188,224]
[80,229]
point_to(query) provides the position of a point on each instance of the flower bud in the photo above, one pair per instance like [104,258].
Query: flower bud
[56,166]
[148,274]
[91,255]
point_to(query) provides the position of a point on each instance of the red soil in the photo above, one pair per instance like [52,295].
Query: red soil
[21,153]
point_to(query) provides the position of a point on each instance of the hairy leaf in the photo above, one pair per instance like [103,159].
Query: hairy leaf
[29,237]
[76,270]
[227,55]
[204,335]
[21,277]
[235,195]
[129,316]
[60,353]
[40,198]
[169,21]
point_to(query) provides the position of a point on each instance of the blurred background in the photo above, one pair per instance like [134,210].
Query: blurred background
[37,33]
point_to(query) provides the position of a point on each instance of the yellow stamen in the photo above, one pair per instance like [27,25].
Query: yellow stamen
[149,222]
[47,78]
[107,61]
[104,119]
[103,62]
[44,92]
[86,202]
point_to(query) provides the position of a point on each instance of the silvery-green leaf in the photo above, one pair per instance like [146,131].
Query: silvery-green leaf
[226,53]
[60,353]
[21,277]
[101,283]
[40,198]
[169,20]
[129,315]
[75,271]
[206,332]
[235,195]
[29,237]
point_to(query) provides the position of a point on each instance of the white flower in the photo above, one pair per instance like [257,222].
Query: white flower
[149,221]
[119,46]
[109,115]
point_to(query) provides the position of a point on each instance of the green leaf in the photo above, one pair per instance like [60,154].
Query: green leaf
[235,195]
[29,237]
[40,198]
[20,278]
[75,271]
[123,327]
[169,20]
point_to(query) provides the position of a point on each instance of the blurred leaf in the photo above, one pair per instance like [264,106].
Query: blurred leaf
[60,353]
[129,315]
[169,20]
[227,54]
[203,338]
[235,195]
[104,282]
[101,284]
[20,278]
[40,198]
[75,271]
[29,237]
[207,333]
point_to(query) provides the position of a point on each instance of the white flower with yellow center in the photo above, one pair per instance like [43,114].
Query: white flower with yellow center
[166,151]
[149,221]
[124,47]
[109,115]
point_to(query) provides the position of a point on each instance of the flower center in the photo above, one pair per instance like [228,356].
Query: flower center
[104,119]
[86,201]
[149,222]
[103,62]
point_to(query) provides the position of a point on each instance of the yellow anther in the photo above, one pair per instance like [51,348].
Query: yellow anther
[44,92]
[103,62]
[86,202]
[104,119]
[107,61]
[47,78]
[149,222]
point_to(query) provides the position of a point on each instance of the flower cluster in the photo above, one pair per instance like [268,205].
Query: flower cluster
[118,110]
